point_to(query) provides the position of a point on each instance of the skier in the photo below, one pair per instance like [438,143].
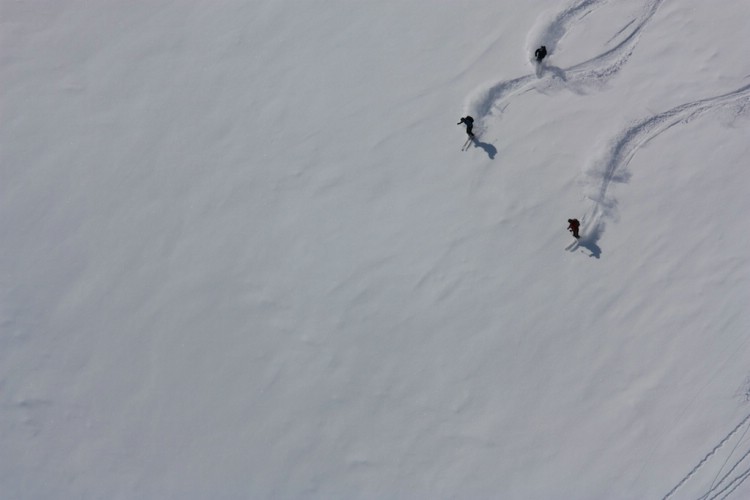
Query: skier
[540,53]
[469,122]
[573,226]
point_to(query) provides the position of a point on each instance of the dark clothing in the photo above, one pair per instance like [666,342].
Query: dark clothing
[573,226]
[469,122]
[540,53]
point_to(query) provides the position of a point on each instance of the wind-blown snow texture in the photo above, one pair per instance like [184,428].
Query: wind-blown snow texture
[244,256]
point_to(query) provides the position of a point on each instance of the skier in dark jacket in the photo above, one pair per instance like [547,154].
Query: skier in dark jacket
[469,122]
[540,53]
[573,226]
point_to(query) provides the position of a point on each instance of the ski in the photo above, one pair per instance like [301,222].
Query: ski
[467,143]
[572,247]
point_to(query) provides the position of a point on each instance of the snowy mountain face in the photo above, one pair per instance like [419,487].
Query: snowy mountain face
[244,255]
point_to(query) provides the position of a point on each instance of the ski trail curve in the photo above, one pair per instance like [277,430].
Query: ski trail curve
[594,72]
[483,100]
[613,167]
[606,65]
[555,30]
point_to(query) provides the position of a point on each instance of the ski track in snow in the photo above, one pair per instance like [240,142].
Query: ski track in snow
[596,72]
[592,73]
[724,486]
[613,167]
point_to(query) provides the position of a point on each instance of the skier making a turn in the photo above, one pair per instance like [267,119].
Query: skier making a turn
[540,53]
[469,122]
[573,226]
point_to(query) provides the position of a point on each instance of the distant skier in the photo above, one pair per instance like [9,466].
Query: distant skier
[573,226]
[540,53]
[469,122]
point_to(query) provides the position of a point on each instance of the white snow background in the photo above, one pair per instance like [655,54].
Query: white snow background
[244,256]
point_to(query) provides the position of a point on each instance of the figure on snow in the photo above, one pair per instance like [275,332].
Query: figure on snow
[469,122]
[573,226]
[540,53]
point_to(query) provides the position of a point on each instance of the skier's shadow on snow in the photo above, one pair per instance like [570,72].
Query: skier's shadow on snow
[488,148]
[588,241]
[590,245]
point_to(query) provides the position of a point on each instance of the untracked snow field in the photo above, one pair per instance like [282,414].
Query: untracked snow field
[244,256]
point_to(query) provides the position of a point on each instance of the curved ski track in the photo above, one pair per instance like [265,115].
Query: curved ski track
[592,73]
[613,168]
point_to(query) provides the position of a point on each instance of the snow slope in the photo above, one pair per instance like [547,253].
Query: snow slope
[244,257]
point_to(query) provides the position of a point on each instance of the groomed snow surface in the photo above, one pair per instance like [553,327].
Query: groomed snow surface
[244,256]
